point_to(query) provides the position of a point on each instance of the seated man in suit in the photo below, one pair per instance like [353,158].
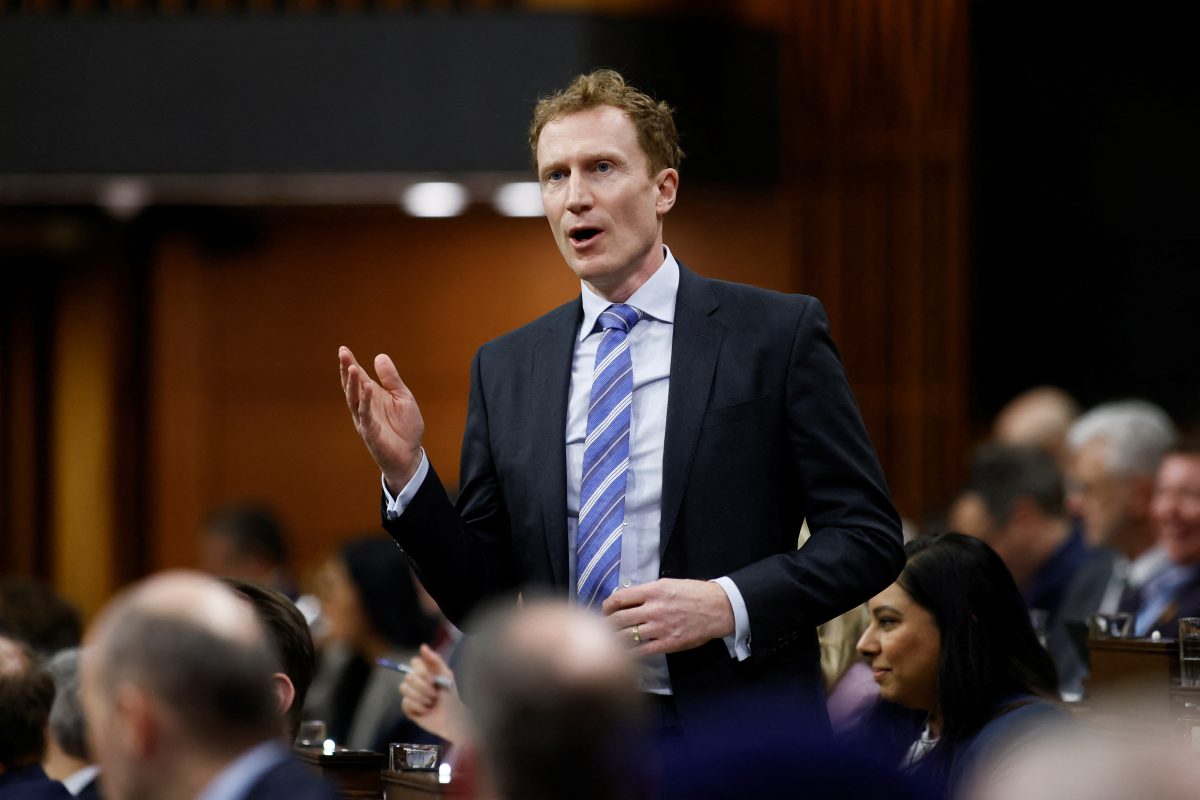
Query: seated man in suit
[67,756]
[26,692]
[1115,451]
[1014,502]
[652,447]
[291,641]
[177,690]
[1175,592]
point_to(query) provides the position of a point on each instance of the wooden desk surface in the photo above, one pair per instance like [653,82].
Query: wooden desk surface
[354,772]
[1123,668]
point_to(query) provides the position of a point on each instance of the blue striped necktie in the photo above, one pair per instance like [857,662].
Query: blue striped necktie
[605,460]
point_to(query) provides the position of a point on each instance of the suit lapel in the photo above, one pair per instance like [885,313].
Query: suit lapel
[550,379]
[695,343]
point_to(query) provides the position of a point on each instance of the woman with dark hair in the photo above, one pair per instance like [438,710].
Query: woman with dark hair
[961,674]
[370,607]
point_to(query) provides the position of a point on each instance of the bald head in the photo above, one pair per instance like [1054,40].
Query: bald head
[554,698]
[577,646]
[195,651]
[1039,417]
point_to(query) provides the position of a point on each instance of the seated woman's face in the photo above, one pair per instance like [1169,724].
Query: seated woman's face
[902,645]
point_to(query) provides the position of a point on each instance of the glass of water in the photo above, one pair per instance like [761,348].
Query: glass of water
[311,733]
[1189,651]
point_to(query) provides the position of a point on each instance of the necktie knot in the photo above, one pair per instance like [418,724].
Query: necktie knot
[619,317]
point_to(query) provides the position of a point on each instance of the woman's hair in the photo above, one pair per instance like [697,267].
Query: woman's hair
[381,572]
[989,652]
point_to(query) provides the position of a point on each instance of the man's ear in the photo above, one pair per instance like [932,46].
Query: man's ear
[285,691]
[136,721]
[667,181]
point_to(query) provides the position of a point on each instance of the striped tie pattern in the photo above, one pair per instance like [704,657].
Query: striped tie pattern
[605,460]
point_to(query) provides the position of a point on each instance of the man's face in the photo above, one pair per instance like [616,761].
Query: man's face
[106,737]
[1101,499]
[604,207]
[1176,507]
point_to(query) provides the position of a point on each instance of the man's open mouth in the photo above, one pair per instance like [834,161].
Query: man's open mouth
[584,234]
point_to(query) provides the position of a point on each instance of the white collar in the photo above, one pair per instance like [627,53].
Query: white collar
[79,779]
[1147,565]
[655,298]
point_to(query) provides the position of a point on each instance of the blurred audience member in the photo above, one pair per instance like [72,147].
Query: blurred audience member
[848,682]
[26,694]
[292,644]
[1096,765]
[1175,592]
[370,606]
[1038,417]
[437,709]
[960,672]
[556,704]
[1116,449]
[67,758]
[31,612]
[247,542]
[1014,502]
[177,691]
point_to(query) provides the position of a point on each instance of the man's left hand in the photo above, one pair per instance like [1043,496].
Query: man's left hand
[670,615]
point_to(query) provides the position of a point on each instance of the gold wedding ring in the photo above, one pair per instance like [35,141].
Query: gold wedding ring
[636,639]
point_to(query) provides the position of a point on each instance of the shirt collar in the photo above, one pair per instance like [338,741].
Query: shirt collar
[655,298]
[1147,565]
[76,781]
[233,782]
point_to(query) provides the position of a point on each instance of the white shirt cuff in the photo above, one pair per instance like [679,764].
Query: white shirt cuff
[738,642]
[397,504]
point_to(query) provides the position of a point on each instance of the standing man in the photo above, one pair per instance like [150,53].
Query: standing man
[651,448]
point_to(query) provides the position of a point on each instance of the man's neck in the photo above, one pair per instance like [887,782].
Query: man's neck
[59,765]
[620,292]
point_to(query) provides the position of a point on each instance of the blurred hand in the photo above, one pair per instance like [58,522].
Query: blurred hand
[437,710]
[670,615]
[385,415]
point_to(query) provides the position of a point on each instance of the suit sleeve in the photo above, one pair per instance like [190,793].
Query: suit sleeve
[462,555]
[855,549]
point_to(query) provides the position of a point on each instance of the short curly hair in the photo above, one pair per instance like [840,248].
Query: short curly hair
[652,118]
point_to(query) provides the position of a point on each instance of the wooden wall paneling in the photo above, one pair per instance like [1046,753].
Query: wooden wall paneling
[876,121]
[25,345]
[179,426]
[83,444]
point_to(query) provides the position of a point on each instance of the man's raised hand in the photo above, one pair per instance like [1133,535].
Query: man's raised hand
[386,416]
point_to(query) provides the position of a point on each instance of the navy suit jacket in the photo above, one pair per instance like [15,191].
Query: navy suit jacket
[291,780]
[1184,603]
[31,783]
[762,433]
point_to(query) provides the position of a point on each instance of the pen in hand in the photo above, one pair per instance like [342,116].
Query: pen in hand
[440,681]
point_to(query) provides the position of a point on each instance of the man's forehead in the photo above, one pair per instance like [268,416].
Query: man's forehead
[594,128]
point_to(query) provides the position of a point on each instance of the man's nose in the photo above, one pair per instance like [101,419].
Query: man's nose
[579,196]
